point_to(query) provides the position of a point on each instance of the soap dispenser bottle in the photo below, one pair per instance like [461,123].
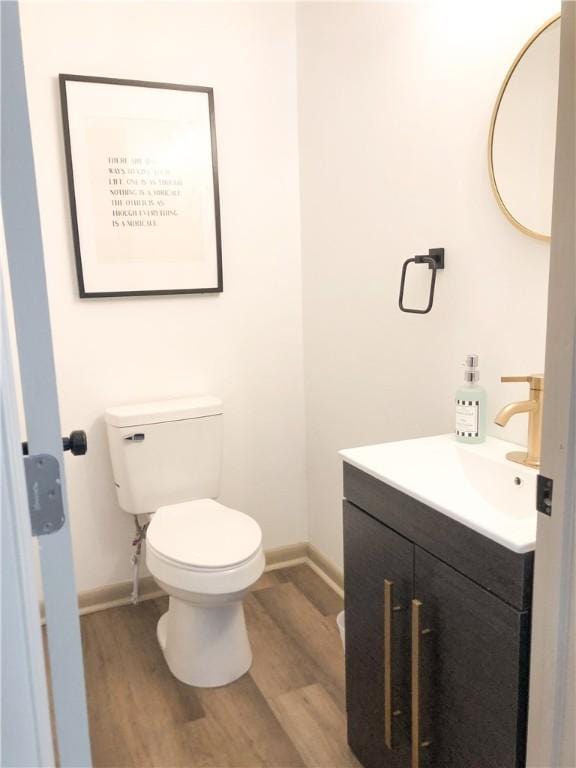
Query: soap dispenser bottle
[471,405]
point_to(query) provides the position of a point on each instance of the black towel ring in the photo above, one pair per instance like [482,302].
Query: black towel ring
[435,261]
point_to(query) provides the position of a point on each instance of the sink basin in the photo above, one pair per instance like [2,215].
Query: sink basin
[474,484]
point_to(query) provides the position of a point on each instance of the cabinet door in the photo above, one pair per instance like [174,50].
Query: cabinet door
[473,669]
[378,576]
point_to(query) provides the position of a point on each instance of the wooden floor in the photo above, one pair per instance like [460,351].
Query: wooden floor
[287,711]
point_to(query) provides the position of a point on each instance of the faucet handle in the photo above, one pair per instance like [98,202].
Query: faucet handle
[536,380]
[509,379]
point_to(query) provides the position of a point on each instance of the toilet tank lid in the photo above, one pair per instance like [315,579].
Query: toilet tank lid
[140,414]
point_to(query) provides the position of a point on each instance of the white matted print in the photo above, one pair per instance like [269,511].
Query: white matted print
[143,181]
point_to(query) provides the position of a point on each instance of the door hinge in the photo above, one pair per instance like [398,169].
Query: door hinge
[44,493]
[544,488]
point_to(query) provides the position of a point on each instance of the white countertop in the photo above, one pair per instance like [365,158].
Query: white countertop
[474,484]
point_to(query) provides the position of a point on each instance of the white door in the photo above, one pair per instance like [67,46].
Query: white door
[551,734]
[32,322]
[25,735]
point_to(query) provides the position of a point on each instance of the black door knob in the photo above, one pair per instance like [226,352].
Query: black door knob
[76,443]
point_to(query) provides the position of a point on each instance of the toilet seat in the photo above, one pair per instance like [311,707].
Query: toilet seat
[203,535]
[204,547]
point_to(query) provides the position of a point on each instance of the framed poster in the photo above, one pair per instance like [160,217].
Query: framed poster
[143,184]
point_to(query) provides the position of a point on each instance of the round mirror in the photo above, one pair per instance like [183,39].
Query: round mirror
[523,134]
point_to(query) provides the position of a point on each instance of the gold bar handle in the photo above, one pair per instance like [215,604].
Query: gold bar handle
[417,632]
[415,680]
[388,602]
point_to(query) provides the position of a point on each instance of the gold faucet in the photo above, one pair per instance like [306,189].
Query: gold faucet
[533,407]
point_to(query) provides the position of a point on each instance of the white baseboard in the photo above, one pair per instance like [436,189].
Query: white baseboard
[326,568]
[325,576]
[283,557]
[114,595]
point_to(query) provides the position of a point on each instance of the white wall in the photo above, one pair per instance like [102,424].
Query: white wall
[395,101]
[244,345]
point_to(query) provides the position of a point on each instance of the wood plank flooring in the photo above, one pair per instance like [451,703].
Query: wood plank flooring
[286,712]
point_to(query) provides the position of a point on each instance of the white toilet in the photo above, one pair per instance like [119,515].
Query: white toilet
[166,459]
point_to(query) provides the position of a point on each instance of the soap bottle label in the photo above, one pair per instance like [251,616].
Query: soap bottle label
[467,412]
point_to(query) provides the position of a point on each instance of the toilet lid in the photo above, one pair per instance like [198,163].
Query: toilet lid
[203,534]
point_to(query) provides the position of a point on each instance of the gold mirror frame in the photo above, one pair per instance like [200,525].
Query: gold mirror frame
[500,201]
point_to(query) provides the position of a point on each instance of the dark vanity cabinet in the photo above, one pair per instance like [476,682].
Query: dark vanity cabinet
[437,636]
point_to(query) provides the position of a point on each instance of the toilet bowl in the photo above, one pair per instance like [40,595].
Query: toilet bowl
[205,556]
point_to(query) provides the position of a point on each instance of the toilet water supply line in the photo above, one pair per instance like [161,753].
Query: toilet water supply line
[137,542]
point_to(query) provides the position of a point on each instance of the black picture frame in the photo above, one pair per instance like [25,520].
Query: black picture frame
[84,291]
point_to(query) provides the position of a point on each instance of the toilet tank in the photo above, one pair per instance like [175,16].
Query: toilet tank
[165,452]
